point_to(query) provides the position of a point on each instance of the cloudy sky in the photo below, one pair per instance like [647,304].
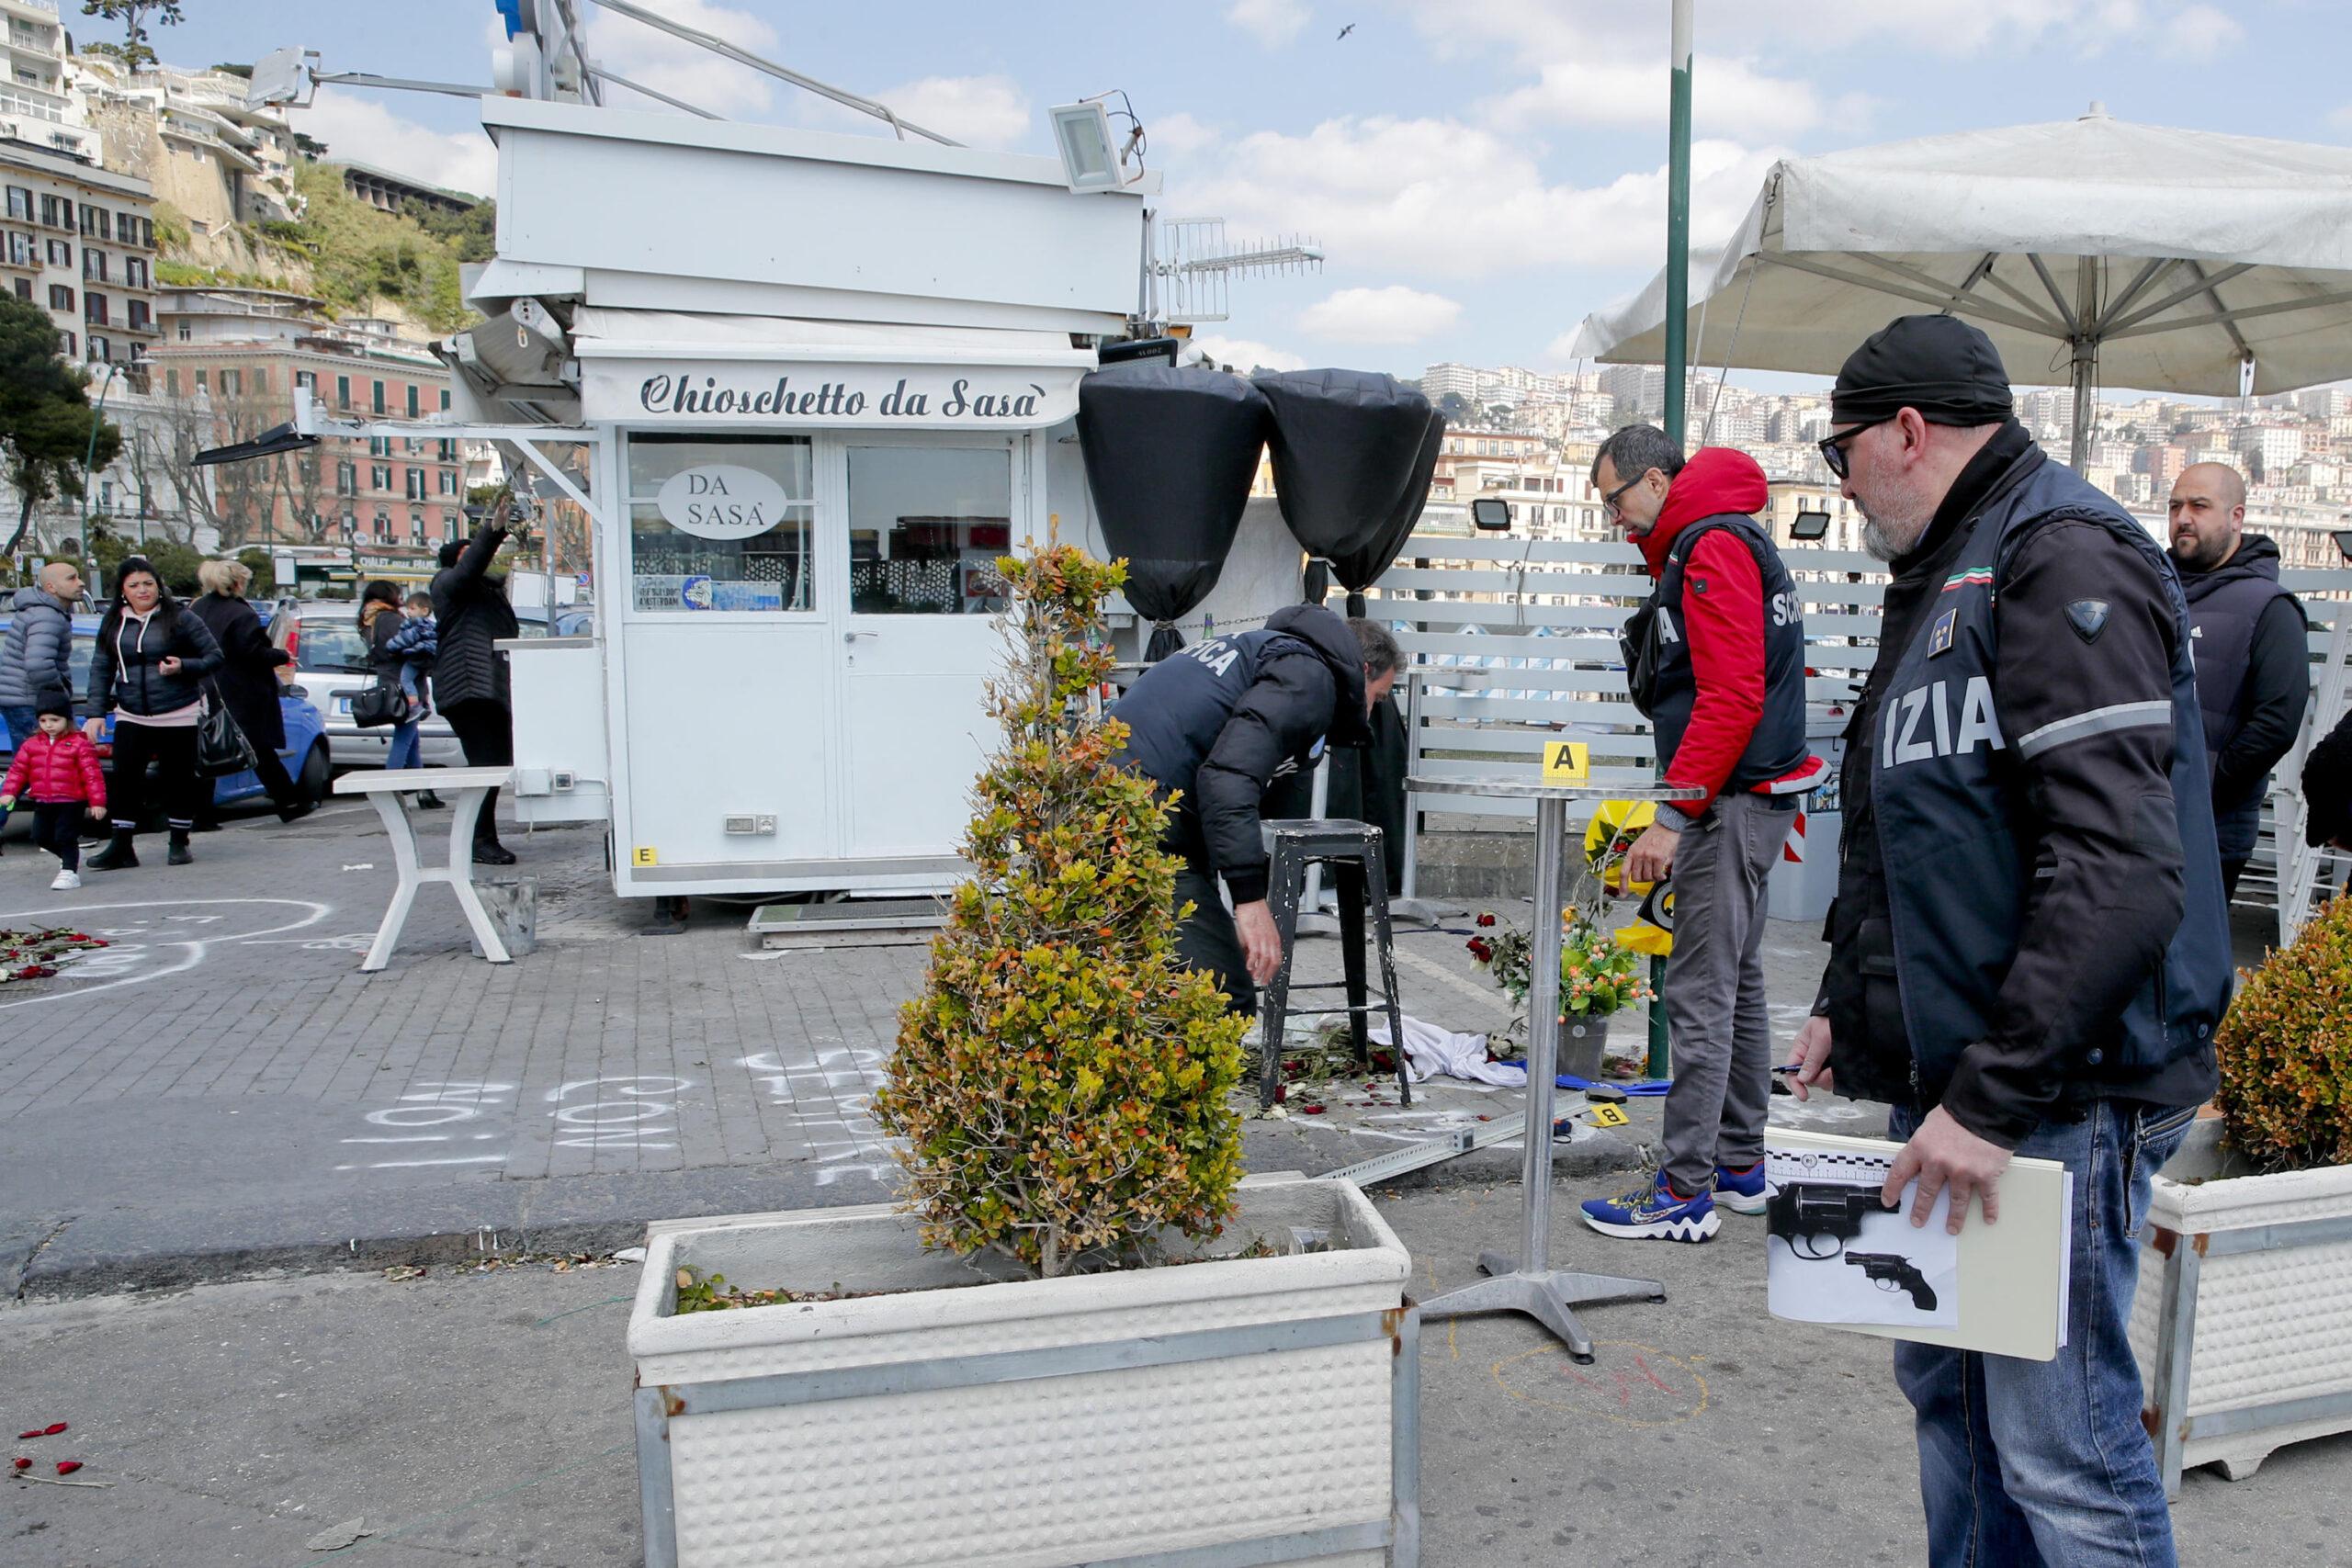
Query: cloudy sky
[1481,173]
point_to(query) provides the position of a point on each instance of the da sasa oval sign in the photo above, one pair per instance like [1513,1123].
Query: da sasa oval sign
[720,500]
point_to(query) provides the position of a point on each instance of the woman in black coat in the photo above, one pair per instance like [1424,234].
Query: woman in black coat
[148,669]
[247,684]
[470,679]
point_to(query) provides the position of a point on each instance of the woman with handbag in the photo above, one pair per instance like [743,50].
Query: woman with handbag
[148,669]
[379,621]
[247,683]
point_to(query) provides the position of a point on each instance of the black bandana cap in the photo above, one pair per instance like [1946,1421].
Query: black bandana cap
[1941,365]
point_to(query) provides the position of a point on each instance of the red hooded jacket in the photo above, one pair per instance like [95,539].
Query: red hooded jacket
[52,772]
[1724,620]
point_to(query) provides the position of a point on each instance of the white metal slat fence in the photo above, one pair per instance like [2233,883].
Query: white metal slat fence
[1532,625]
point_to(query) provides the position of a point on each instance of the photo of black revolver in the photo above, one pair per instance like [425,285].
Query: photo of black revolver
[1803,1213]
[1893,1273]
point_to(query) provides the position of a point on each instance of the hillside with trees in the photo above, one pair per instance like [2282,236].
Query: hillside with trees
[360,260]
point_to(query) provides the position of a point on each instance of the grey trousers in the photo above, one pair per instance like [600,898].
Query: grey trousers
[1714,989]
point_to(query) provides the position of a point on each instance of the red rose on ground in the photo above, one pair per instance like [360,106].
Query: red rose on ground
[1486,919]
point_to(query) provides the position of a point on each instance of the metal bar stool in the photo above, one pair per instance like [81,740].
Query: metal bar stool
[1360,878]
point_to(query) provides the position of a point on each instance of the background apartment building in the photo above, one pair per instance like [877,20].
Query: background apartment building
[80,242]
[236,356]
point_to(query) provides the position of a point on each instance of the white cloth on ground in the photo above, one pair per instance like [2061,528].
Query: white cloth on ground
[1433,1051]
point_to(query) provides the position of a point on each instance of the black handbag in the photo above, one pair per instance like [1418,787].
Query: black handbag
[221,748]
[375,706]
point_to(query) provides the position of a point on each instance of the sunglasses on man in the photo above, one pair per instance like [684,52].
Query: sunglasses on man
[1834,448]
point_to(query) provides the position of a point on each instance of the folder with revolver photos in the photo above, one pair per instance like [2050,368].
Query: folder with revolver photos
[1835,1257]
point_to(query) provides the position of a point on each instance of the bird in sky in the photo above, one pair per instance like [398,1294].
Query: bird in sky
[1345,32]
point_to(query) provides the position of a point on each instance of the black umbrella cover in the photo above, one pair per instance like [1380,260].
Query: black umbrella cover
[1171,455]
[1353,452]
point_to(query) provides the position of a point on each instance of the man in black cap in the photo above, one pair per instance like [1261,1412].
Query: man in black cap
[2029,950]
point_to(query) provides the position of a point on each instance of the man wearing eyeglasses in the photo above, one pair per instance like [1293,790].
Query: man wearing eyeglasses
[1715,660]
[2029,950]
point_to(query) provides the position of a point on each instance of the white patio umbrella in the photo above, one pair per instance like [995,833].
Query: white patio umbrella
[2091,251]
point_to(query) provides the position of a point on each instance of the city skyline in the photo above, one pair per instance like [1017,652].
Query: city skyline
[1528,438]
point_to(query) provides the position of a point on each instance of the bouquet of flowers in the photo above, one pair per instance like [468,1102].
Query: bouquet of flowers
[1598,974]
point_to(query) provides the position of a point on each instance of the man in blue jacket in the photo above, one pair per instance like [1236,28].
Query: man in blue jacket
[1221,721]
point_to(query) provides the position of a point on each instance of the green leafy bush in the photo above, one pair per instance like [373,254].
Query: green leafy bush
[2286,1052]
[1061,1082]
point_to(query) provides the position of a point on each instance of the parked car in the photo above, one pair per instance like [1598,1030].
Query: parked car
[305,752]
[330,662]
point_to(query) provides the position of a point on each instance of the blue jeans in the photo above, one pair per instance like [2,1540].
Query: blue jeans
[2044,1464]
[407,750]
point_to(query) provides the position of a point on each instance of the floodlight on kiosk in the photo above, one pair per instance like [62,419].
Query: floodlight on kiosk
[1491,514]
[1812,523]
[1092,159]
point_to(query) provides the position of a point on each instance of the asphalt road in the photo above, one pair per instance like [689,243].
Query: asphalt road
[485,1418]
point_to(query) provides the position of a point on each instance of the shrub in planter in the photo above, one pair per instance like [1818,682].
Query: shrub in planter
[2286,1052]
[1061,1082]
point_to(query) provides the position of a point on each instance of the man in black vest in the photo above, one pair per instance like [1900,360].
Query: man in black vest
[1222,721]
[2254,670]
[1715,660]
[2029,949]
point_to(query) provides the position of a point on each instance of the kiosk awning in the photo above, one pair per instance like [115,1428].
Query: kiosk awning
[678,367]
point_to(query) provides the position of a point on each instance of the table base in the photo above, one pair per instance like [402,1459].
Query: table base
[1544,1295]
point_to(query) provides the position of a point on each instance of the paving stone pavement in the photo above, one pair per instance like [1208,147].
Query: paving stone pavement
[223,1089]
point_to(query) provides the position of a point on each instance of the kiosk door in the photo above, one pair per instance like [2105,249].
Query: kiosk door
[927,520]
[729,657]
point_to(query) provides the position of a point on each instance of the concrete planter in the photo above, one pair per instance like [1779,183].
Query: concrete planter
[1243,1411]
[2243,1323]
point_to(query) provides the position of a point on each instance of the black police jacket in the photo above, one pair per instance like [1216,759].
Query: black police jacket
[2030,905]
[1222,719]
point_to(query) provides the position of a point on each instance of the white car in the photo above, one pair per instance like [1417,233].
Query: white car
[331,663]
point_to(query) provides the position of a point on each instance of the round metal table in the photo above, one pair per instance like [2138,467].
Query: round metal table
[1528,1284]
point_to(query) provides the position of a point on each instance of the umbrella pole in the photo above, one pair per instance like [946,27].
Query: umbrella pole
[1677,220]
[2085,376]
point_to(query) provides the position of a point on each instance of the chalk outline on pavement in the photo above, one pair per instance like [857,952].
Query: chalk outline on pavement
[196,954]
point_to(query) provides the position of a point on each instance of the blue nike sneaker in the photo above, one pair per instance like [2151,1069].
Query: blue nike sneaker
[1742,1191]
[1652,1211]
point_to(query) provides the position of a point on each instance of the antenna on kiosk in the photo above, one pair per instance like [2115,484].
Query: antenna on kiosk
[1192,263]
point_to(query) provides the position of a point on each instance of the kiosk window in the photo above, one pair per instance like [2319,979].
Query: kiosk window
[926,526]
[721,522]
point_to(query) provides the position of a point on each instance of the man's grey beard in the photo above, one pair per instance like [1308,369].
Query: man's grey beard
[1886,539]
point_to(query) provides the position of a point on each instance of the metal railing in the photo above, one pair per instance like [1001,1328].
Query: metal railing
[1532,625]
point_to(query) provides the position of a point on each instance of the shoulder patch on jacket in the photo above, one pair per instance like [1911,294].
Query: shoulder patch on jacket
[1697,584]
[2088,617]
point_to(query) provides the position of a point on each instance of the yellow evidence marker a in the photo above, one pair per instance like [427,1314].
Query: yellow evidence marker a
[1566,761]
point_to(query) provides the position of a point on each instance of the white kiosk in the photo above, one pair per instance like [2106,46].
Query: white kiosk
[822,382]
